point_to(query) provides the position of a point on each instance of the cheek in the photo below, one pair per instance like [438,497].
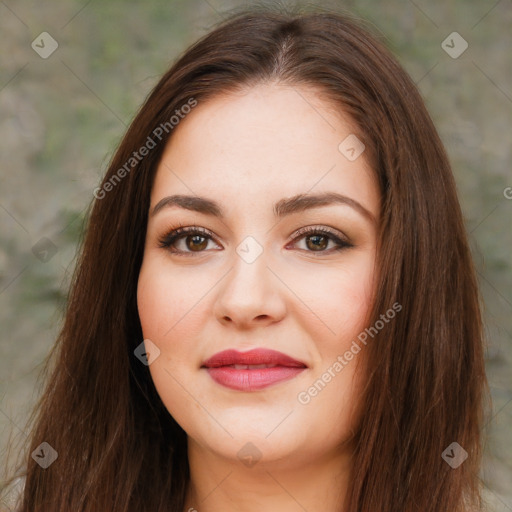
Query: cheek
[169,302]
[338,299]
[169,309]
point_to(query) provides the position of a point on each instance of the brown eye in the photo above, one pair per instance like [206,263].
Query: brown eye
[196,242]
[188,240]
[320,240]
[317,242]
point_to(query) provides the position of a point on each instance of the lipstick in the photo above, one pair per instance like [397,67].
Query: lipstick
[252,370]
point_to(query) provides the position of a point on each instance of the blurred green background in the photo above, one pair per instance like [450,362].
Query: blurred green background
[62,117]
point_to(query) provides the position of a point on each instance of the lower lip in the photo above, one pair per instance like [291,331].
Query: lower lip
[252,380]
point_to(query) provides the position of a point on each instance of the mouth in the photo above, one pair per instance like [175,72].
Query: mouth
[252,370]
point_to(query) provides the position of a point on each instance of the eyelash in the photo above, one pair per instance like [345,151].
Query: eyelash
[167,241]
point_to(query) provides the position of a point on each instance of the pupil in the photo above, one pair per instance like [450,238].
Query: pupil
[316,245]
[196,242]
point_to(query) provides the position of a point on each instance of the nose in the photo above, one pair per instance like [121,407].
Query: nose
[250,296]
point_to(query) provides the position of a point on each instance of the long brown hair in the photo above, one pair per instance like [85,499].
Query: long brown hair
[118,447]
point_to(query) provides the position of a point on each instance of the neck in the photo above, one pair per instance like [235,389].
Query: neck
[220,484]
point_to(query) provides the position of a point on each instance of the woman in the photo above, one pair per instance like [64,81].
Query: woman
[275,304]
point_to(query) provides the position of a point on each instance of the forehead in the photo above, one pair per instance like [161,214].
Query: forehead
[261,144]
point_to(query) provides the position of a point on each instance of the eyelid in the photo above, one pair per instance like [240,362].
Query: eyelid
[339,238]
[335,233]
[181,231]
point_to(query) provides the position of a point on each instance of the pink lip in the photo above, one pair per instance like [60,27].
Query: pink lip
[220,368]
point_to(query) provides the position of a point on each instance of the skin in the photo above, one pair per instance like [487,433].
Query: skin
[247,150]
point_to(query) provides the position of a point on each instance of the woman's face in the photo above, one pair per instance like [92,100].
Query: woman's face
[272,266]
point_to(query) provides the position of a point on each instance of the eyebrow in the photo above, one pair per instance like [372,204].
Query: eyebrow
[283,207]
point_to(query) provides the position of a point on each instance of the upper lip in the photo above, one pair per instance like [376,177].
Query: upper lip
[255,356]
